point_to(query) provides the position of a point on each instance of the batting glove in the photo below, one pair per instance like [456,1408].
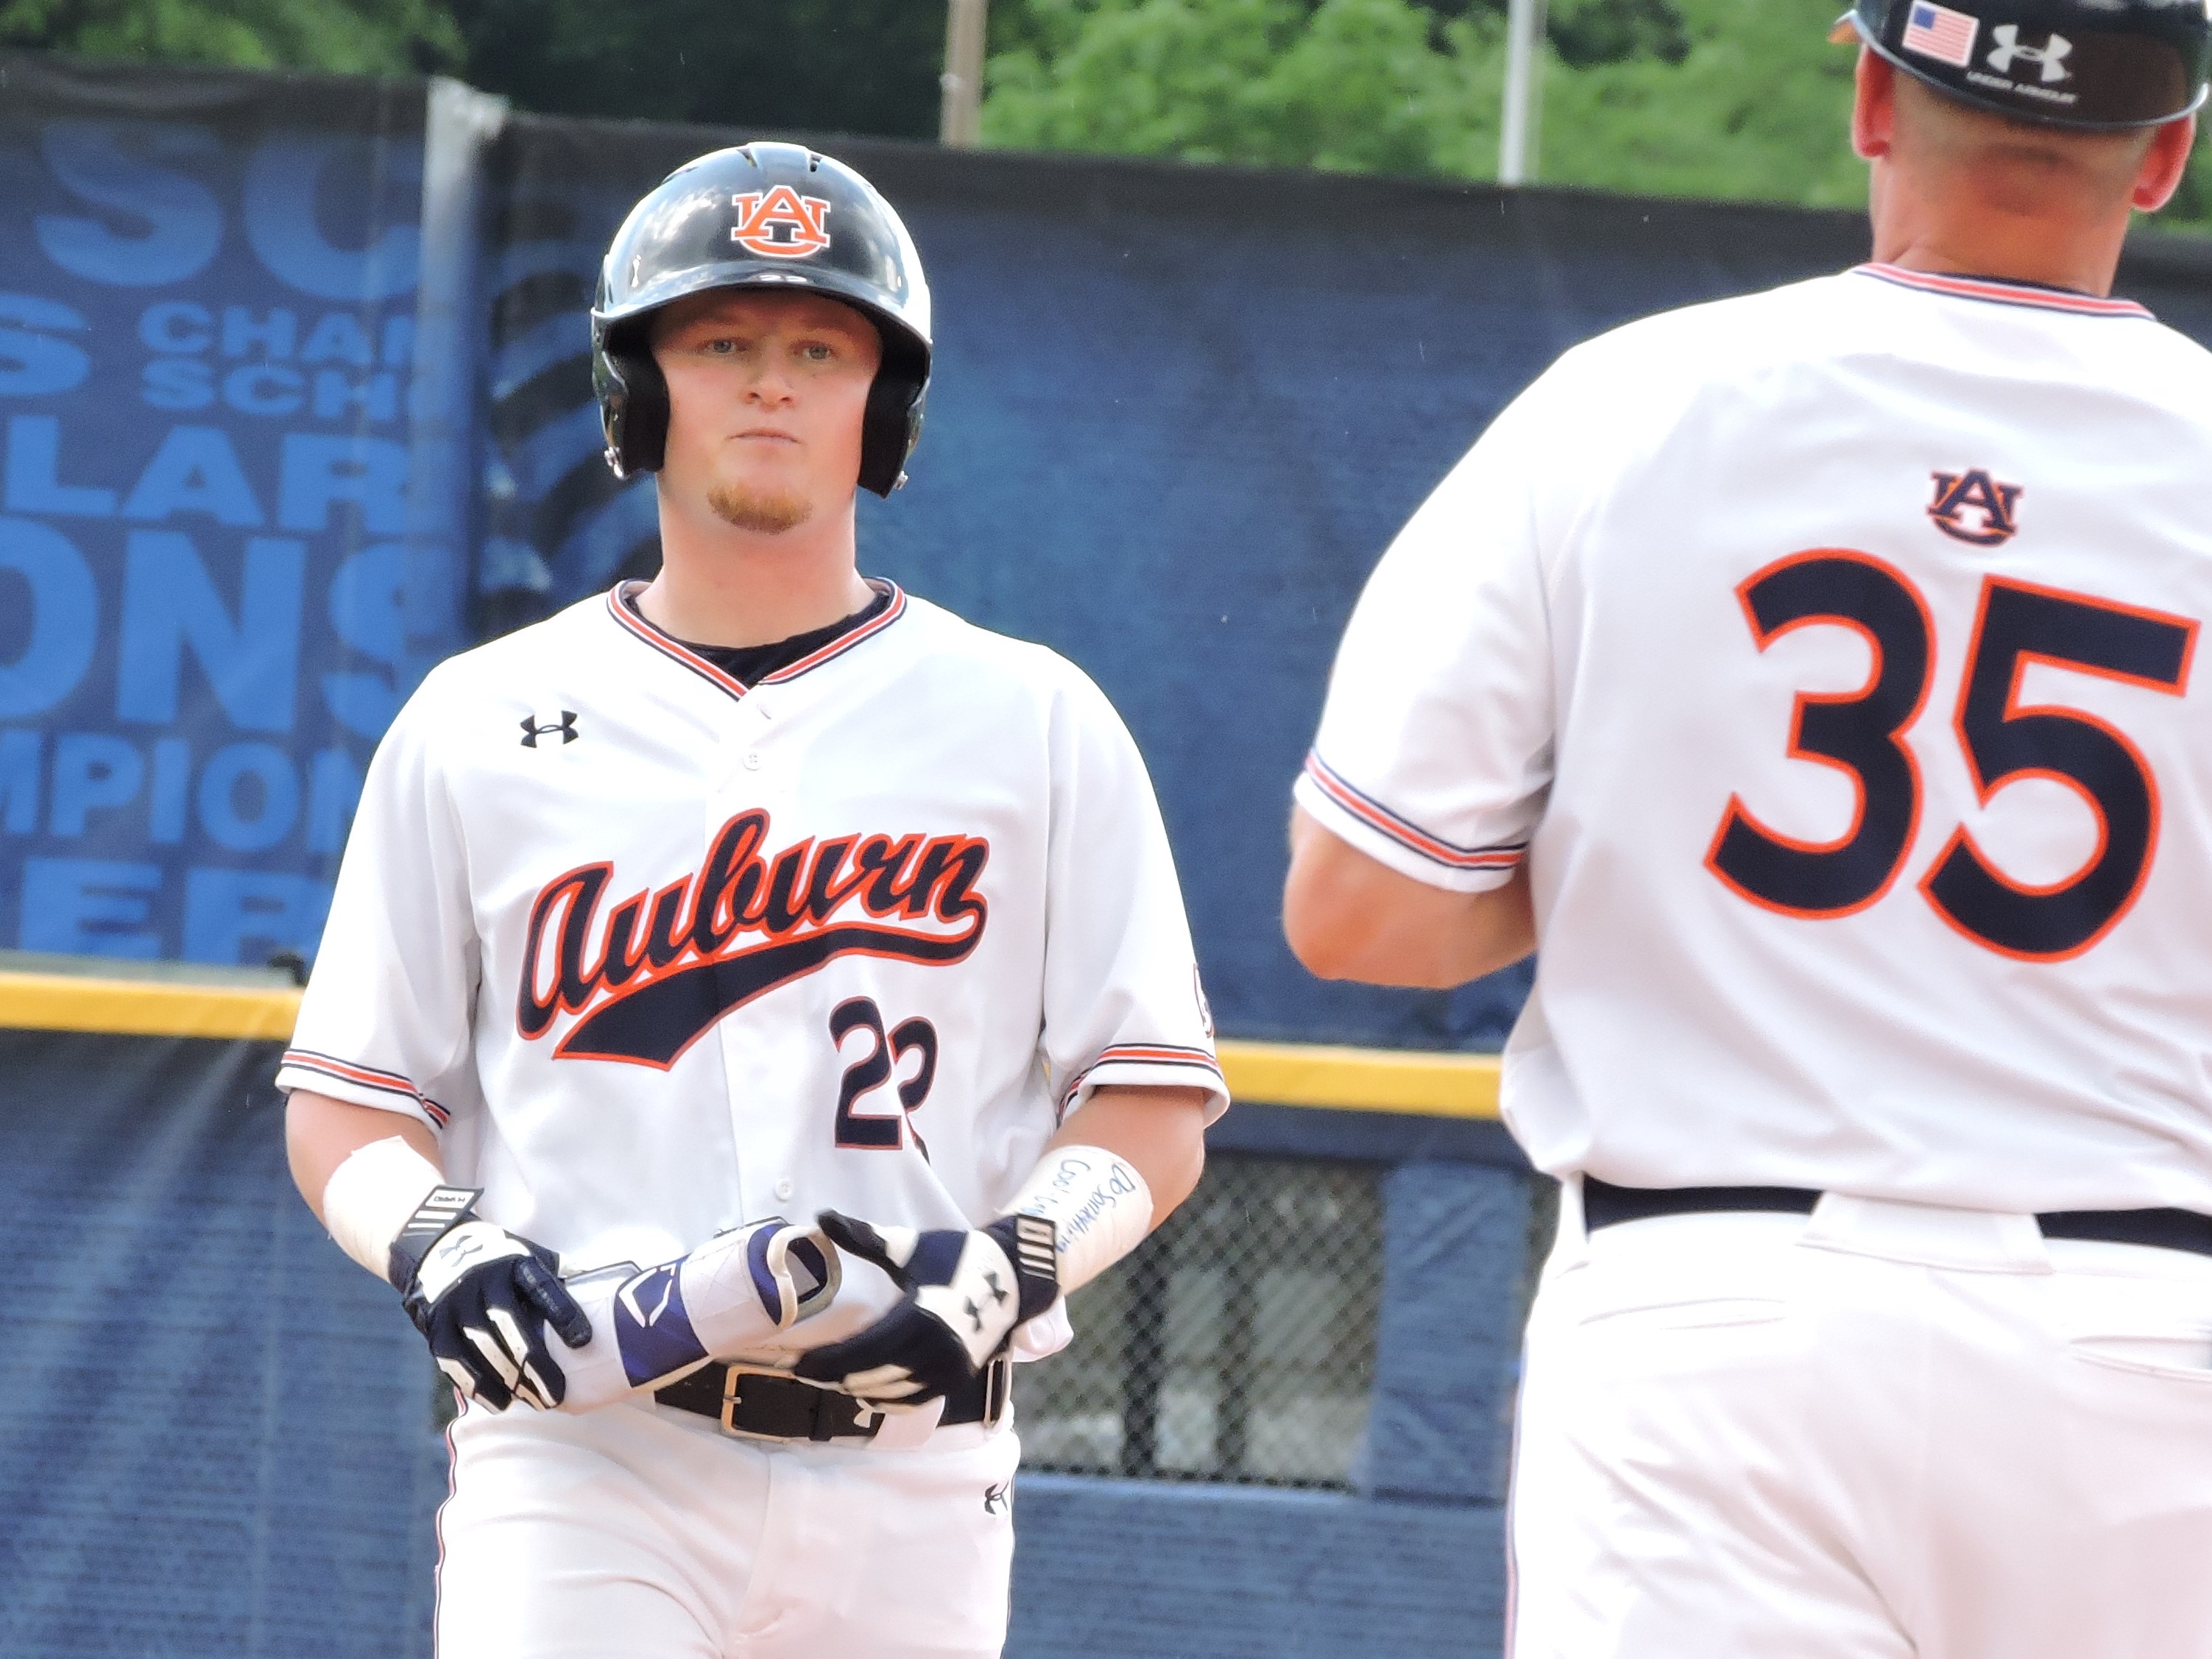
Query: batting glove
[483,1298]
[965,1292]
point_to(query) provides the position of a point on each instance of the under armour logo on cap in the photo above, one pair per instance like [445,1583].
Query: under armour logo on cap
[2053,56]
[566,726]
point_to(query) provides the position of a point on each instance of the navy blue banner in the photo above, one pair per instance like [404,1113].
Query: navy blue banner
[207,316]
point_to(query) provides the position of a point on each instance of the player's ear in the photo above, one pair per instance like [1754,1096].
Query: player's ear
[2165,164]
[1874,112]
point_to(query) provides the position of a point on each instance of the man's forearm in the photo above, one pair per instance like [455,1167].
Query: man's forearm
[1158,1133]
[1350,916]
[320,1134]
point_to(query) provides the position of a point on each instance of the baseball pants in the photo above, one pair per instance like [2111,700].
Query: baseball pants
[629,1533]
[1885,1432]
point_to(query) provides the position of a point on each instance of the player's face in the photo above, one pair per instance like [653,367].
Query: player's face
[766,394]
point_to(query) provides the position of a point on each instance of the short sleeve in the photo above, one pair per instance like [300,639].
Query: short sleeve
[385,1019]
[1434,750]
[1123,1001]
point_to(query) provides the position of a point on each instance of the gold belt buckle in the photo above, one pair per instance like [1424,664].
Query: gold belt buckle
[732,1393]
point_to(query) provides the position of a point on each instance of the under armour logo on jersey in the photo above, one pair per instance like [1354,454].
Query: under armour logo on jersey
[781,223]
[566,726]
[1975,509]
[2053,56]
[994,1500]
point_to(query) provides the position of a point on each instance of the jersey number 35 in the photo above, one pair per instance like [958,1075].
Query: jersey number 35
[1862,733]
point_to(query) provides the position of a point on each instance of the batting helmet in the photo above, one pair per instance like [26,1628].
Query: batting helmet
[2093,64]
[769,217]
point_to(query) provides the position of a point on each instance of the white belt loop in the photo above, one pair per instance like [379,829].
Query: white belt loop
[1570,1244]
[909,1430]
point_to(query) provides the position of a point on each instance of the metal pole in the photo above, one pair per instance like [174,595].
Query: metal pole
[960,121]
[1524,63]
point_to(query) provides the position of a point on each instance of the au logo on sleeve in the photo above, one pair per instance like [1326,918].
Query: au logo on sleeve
[781,223]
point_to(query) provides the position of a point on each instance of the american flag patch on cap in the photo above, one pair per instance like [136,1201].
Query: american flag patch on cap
[1937,32]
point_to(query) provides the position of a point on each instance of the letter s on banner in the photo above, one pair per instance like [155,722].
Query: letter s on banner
[33,364]
[367,608]
[64,617]
[184,218]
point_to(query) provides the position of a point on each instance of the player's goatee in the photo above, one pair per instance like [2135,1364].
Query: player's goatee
[765,514]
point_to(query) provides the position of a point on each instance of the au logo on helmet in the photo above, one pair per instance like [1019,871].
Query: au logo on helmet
[781,223]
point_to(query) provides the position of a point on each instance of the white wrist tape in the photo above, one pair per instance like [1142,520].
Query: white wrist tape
[370,1196]
[1099,1209]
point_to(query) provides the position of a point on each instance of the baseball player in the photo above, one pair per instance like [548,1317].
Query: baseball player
[1813,677]
[753,1000]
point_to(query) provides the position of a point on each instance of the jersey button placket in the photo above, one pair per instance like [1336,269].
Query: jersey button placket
[745,785]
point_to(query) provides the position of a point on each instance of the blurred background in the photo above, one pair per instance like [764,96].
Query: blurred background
[294,401]
[1735,99]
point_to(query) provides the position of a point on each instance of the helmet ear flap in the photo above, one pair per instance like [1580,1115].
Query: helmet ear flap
[888,431]
[892,424]
[633,405]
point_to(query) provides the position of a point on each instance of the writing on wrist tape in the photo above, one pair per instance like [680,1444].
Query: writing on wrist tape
[1099,1207]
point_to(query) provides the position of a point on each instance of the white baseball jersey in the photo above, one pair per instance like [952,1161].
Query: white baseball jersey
[658,953]
[1828,656]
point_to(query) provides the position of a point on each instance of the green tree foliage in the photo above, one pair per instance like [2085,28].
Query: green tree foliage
[1741,99]
[1359,85]
[356,37]
[814,66]
[1758,106]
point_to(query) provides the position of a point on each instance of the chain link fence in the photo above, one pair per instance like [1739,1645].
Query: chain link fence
[1236,1344]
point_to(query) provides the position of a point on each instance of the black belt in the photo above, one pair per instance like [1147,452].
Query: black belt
[757,1405]
[1605,1205]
